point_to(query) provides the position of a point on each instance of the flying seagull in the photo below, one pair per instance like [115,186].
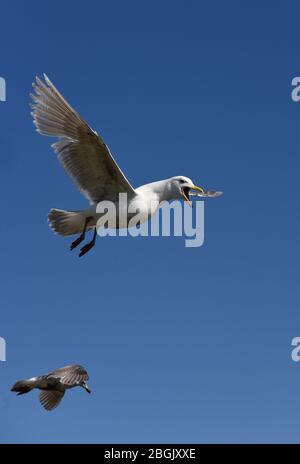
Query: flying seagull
[88,161]
[54,384]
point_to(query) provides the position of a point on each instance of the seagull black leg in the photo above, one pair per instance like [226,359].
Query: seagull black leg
[82,235]
[89,245]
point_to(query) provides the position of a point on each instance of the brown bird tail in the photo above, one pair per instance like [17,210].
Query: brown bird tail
[21,387]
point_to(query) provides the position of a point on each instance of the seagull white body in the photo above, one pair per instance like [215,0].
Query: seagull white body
[91,166]
[146,200]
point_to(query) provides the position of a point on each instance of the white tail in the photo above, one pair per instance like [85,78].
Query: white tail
[66,222]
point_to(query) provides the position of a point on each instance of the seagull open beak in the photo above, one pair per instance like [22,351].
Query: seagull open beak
[185,192]
[200,189]
[86,388]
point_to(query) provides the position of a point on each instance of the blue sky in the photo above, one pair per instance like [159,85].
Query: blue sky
[182,345]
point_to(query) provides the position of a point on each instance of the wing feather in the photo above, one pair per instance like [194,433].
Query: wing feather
[50,399]
[70,375]
[81,151]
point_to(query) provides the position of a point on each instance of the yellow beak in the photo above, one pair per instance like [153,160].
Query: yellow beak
[200,189]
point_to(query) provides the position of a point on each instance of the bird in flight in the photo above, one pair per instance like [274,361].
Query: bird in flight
[54,384]
[88,161]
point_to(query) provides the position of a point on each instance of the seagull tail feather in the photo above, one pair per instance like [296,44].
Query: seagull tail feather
[22,386]
[66,222]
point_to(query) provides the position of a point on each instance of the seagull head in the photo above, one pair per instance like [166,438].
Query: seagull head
[180,187]
[85,386]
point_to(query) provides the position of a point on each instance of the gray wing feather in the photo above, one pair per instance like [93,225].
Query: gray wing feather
[80,150]
[50,399]
[70,375]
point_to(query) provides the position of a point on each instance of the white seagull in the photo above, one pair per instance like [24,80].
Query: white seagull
[88,161]
[54,384]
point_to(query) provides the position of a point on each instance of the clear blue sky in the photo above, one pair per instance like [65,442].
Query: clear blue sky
[182,345]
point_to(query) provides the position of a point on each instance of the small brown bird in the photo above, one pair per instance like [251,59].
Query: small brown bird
[54,384]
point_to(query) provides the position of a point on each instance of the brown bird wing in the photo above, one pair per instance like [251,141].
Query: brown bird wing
[50,399]
[70,375]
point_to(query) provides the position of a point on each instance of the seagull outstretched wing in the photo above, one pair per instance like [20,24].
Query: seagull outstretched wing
[80,150]
[70,375]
